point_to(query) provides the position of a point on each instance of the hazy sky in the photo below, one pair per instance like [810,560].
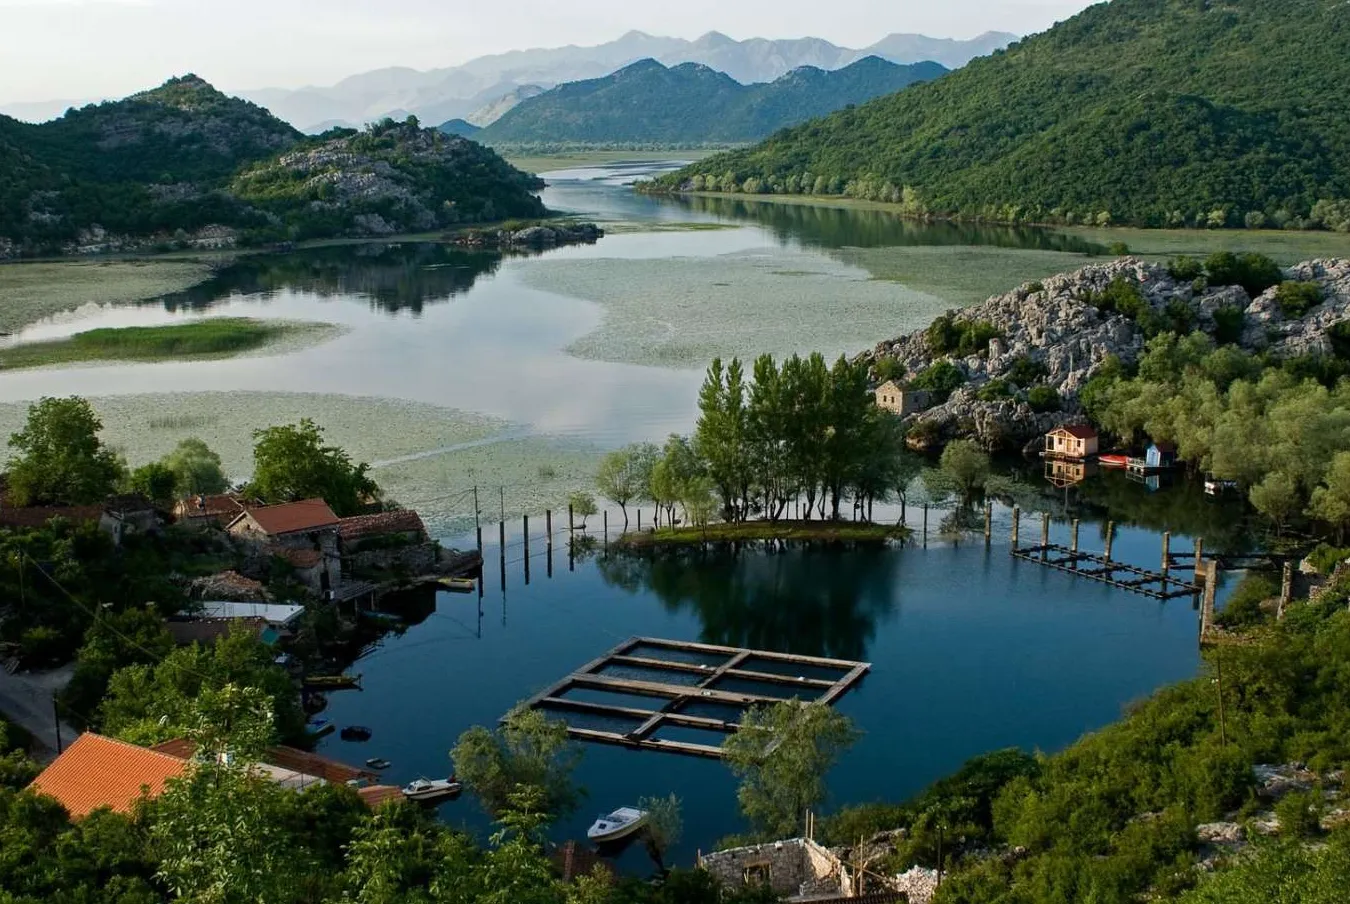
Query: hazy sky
[78,49]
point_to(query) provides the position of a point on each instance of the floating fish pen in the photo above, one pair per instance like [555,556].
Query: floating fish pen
[685,697]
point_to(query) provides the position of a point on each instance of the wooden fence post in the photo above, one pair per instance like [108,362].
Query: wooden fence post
[525,521]
[988,522]
[1073,545]
[1045,536]
[925,524]
[1110,536]
[1016,526]
[1166,553]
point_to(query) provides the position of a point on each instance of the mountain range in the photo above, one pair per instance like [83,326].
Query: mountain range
[691,103]
[483,89]
[1144,112]
[163,165]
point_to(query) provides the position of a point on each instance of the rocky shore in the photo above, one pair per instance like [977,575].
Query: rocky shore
[550,235]
[1055,327]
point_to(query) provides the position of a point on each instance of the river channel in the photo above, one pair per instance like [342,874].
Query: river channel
[457,370]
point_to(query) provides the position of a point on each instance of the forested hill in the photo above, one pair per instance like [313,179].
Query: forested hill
[161,166]
[691,103]
[1150,112]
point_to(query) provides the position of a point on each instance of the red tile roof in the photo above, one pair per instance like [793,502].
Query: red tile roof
[403,521]
[1078,431]
[223,505]
[98,772]
[39,515]
[292,517]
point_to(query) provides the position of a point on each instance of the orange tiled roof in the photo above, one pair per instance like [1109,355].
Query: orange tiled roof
[403,521]
[293,517]
[96,771]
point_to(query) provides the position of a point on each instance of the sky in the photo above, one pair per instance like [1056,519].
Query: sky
[81,49]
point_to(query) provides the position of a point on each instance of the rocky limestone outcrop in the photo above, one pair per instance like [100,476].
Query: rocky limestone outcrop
[1054,323]
[551,235]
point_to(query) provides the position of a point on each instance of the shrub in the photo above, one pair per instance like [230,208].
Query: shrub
[1122,296]
[1185,269]
[1326,557]
[1035,287]
[888,369]
[1253,272]
[1118,249]
[1298,813]
[1026,371]
[43,646]
[940,378]
[948,335]
[1298,298]
[1244,606]
[995,390]
[1229,322]
[1043,398]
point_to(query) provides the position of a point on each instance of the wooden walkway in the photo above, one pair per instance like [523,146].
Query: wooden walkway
[724,663]
[1155,584]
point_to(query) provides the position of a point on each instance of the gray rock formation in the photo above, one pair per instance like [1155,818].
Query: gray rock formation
[1054,323]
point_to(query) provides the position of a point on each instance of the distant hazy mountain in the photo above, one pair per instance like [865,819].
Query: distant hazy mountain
[648,102]
[463,92]
[490,113]
[460,127]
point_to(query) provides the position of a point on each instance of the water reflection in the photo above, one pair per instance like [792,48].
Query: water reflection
[813,601]
[840,227]
[395,277]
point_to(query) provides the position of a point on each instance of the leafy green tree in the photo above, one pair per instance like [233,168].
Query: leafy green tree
[582,505]
[967,465]
[196,468]
[291,463]
[1277,498]
[720,437]
[1331,500]
[529,750]
[626,474]
[59,459]
[781,754]
[155,481]
[664,826]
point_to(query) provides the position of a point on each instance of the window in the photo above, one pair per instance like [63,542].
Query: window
[758,874]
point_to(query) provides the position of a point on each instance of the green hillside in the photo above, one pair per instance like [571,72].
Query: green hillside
[158,166]
[647,102]
[1148,112]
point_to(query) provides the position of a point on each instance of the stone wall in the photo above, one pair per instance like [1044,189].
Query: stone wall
[794,867]
[415,560]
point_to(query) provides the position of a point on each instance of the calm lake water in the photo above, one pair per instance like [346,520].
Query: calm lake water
[605,344]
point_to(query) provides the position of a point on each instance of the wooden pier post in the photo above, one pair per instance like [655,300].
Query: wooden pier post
[1016,526]
[571,520]
[1199,559]
[925,524]
[1045,536]
[639,519]
[479,532]
[1286,590]
[1110,537]
[501,545]
[525,522]
[606,516]
[548,542]
[988,522]
[1073,545]
[1207,607]
[1166,552]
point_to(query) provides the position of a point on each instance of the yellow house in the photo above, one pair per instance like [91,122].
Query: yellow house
[898,400]
[1073,441]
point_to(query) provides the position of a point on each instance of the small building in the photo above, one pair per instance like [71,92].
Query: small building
[276,615]
[797,869]
[305,534]
[215,510]
[1160,456]
[128,514]
[383,528]
[896,399]
[98,771]
[206,631]
[1074,441]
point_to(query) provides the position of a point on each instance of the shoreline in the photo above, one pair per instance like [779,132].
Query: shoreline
[757,531]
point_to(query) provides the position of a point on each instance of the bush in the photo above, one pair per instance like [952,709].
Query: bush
[1043,398]
[1253,272]
[1298,298]
[1185,269]
[1243,608]
[1122,296]
[1027,371]
[1118,249]
[948,335]
[1326,557]
[940,378]
[888,369]
[995,390]
[1035,287]
[1229,322]
[1298,813]
[42,646]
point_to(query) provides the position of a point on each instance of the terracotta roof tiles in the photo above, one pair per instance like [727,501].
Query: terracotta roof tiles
[402,521]
[293,517]
[96,771]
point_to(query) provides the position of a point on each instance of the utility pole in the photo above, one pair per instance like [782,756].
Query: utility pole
[1218,666]
[56,717]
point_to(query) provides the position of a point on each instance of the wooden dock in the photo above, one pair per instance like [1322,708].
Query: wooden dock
[670,698]
[1153,584]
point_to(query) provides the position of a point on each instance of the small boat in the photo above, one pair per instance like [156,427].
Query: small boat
[619,824]
[378,763]
[427,789]
[458,585]
[1112,461]
[321,731]
[386,617]
[355,733]
[333,682]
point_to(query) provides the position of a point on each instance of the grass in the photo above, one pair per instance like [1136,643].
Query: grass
[1285,246]
[32,291]
[808,531]
[543,163]
[216,337]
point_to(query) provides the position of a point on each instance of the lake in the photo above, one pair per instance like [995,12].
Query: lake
[467,376]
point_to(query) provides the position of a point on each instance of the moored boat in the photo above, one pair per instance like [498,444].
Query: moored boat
[619,824]
[458,585]
[378,763]
[333,682]
[428,789]
[356,733]
[1112,461]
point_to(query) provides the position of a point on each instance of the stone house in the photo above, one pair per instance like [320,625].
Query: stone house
[126,515]
[394,542]
[210,510]
[798,869]
[898,400]
[304,534]
[1075,441]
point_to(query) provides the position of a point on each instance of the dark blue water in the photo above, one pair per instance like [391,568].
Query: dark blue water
[971,651]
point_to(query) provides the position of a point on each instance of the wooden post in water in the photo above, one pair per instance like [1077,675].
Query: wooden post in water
[1286,590]
[1073,545]
[571,520]
[925,524]
[1045,536]
[479,532]
[1110,536]
[606,530]
[548,542]
[639,519]
[1016,526]
[501,545]
[525,522]
[1166,553]
[1199,559]
[988,523]
[1207,607]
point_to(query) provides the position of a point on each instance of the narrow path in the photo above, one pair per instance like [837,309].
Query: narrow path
[26,700]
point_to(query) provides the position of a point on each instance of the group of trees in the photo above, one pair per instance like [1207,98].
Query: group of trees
[1147,114]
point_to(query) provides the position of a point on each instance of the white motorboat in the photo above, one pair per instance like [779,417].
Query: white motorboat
[426,789]
[619,824]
